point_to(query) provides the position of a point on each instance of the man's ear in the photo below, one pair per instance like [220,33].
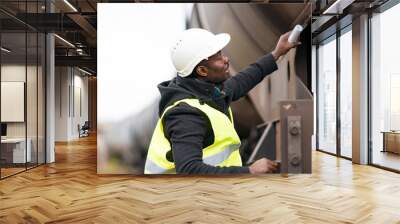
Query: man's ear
[202,70]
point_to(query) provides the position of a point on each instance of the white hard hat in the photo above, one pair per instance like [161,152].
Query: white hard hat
[195,45]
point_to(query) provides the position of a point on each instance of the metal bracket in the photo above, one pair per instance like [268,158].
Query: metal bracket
[294,134]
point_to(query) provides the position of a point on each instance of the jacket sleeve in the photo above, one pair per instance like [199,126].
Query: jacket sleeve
[240,84]
[186,128]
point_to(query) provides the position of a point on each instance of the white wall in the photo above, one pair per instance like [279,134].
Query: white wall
[61,98]
[17,73]
[33,126]
[69,82]
[80,83]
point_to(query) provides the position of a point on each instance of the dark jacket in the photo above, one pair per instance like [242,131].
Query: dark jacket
[188,129]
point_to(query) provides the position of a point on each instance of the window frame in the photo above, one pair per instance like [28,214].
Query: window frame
[334,37]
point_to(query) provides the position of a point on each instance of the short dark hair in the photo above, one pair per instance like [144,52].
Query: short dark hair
[194,74]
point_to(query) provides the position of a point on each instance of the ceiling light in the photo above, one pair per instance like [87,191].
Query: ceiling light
[84,71]
[65,41]
[5,50]
[70,5]
[338,6]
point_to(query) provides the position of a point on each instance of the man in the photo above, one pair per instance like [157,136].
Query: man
[195,133]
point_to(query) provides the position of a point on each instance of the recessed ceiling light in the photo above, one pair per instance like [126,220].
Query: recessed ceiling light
[70,5]
[5,50]
[64,40]
[84,71]
[338,6]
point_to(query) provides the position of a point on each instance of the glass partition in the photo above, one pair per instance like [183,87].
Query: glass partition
[22,88]
[14,153]
[35,49]
[346,93]
[327,96]
[32,95]
[41,91]
[385,89]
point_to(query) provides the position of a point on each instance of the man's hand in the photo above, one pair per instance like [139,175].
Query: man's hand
[263,165]
[283,46]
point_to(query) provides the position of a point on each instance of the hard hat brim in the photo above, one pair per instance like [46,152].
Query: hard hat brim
[220,41]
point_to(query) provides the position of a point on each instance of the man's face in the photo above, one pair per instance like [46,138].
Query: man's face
[215,69]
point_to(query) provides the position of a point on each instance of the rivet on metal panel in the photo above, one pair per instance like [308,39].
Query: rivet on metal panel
[294,131]
[295,161]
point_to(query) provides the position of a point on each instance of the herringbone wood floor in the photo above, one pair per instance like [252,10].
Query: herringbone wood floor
[70,191]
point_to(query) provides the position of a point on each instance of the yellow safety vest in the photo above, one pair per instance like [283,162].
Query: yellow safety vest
[224,151]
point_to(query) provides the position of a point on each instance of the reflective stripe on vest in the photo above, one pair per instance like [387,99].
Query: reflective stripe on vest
[222,156]
[153,168]
[223,152]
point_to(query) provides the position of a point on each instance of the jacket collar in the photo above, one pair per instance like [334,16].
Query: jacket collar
[201,89]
